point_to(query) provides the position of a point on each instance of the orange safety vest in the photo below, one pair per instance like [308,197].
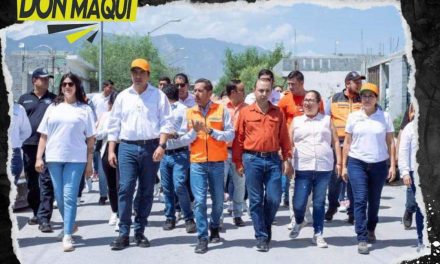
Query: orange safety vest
[341,106]
[205,148]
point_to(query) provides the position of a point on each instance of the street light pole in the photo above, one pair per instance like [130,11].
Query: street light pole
[101,57]
[164,24]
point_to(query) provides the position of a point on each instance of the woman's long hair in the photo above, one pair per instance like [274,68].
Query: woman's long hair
[78,91]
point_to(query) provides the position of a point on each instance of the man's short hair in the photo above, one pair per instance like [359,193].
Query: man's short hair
[208,84]
[166,79]
[107,82]
[171,91]
[232,86]
[296,75]
[181,76]
[266,72]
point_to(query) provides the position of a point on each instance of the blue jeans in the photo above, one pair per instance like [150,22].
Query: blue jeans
[334,192]
[238,183]
[202,175]
[103,191]
[263,181]
[413,207]
[174,173]
[66,177]
[285,183]
[306,182]
[16,164]
[136,164]
[367,180]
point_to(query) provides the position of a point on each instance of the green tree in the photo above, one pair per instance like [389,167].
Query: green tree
[118,53]
[246,65]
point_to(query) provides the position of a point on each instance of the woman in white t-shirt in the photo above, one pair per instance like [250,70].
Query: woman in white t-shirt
[313,135]
[67,138]
[369,143]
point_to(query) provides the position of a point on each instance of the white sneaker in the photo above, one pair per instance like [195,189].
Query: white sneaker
[318,240]
[55,205]
[296,229]
[78,201]
[343,206]
[68,243]
[60,236]
[230,207]
[156,189]
[89,184]
[117,225]
[420,246]
[161,198]
[291,224]
[308,218]
[113,218]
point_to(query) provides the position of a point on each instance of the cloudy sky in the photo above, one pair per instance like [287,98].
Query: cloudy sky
[319,29]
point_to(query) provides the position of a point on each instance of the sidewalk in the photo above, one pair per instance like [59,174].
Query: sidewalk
[176,246]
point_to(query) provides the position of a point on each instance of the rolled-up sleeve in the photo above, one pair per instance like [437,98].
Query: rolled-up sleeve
[114,123]
[237,145]
[165,116]
[285,143]
[228,134]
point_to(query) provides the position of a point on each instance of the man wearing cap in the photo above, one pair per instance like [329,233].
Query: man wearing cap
[338,108]
[141,120]
[261,133]
[40,195]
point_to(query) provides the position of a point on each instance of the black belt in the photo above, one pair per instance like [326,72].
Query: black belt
[262,154]
[174,151]
[230,148]
[141,142]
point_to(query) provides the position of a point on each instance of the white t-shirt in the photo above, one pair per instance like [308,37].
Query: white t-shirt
[312,138]
[369,135]
[20,126]
[67,127]
[407,149]
[100,102]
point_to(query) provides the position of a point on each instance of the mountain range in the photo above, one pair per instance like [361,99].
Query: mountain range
[196,57]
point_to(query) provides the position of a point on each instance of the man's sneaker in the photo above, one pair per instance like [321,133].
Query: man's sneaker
[55,205]
[308,218]
[117,225]
[113,219]
[156,189]
[190,226]
[295,230]
[343,206]
[102,200]
[262,245]
[214,237]
[33,220]
[238,221]
[119,243]
[420,246]
[202,246]
[407,219]
[371,237]
[60,236]
[331,211]
[169,224]
[291,224]
[68,244]
[318,240]
[363,248]
[89,184]
[350,219]
[141,241]
[45,228]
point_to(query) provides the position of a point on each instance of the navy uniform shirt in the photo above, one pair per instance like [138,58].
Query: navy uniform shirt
[35,108]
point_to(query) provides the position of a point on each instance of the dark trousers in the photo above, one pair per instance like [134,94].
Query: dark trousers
[40,195]
[112,176]
[334,190]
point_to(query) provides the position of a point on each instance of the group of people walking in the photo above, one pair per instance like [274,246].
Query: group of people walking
[199,145]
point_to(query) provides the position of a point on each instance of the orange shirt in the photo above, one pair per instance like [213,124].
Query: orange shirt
[292,105]
[261,132]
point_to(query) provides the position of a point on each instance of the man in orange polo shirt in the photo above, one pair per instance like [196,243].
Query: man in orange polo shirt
[211,129]
[261,132]
[235,92]
[292,105]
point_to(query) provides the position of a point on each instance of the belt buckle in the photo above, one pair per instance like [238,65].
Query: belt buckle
[264,154]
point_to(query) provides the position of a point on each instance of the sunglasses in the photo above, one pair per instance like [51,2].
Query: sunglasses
[65,84]
[181,85]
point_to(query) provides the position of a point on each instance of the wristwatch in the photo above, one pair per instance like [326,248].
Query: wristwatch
[210,131]
[163,146]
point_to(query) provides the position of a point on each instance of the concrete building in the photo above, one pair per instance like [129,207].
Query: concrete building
[391,75]
[22,64]
[324,73]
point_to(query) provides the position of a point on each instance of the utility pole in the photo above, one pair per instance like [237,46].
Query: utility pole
[362,41]
[101,57]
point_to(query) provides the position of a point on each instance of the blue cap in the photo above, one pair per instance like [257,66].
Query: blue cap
[41,73]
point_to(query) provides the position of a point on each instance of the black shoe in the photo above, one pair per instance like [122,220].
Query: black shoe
[190,226]
[119,243]
[350,219]
[331,211]
[141,241]
[102,200]
[33,220]
[269,233]
[202,246]
[371,237]
[238,221]
[407,219]
[45,228]
[215,236]
[262,245]
[286,204]
[170,224]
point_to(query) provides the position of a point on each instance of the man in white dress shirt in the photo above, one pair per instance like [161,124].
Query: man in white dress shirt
[141,120]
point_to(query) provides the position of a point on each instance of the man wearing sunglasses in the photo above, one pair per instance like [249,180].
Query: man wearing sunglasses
[40,196]
[181,81]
